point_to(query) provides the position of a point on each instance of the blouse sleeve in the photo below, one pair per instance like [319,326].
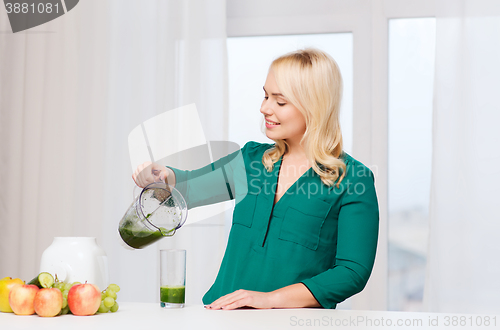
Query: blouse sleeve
[213,183]
[358,224]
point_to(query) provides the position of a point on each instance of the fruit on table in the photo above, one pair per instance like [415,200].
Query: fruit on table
[114,308]
[108,299]
[48,302]
[64,287]
[65,310]
[84,299]
[22,298]
[26,299]
[6,284]
[43,280]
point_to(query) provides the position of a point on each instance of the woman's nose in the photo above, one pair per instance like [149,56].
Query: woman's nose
[265,109]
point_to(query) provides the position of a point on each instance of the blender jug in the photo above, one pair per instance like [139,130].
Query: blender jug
[158,211]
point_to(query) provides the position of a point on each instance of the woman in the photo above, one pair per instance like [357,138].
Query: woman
[305,229]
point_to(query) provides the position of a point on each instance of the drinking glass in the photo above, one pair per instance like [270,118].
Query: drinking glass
[172,278]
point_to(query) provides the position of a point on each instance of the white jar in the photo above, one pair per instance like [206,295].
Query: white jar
[76,259]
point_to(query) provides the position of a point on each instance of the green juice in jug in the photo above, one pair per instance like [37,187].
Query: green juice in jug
[140,237]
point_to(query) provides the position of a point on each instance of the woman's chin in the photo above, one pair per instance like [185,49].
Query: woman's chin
[272,136]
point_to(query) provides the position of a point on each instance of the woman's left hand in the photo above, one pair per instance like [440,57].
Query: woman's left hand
[243,298]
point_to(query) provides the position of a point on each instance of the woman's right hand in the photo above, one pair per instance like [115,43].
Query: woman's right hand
[149,172]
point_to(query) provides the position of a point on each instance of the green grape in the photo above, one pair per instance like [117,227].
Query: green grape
[59,285]
[65,302]
[65,310]
[103,308]
[114,287]
[111,293]
[114,308]
[67,286]
[103,295]
[108,302]
[65,294]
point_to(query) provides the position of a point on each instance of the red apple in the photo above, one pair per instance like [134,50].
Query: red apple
[48,302]
[84,299]
[21,299]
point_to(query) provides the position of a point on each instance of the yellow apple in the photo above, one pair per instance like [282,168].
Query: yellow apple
[6,284]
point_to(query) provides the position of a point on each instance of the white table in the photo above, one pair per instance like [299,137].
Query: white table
[149,316]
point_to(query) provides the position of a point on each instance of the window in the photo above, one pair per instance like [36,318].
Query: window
[411,74]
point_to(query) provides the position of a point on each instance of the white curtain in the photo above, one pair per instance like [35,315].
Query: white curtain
[164,56]
[53,106]
[71,90]
[463,270]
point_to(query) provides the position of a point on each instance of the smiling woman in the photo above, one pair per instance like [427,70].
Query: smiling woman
[312,83]
[305,224]
[282,118]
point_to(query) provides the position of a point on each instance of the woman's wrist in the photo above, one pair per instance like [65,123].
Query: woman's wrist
[293,296]
[170,179]
[276,299]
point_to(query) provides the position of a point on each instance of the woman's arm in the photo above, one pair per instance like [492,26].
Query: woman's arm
[292,296]
[357,236]
[213,183]
[170,177]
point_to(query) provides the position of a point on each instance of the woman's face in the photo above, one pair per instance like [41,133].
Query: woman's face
[283,120]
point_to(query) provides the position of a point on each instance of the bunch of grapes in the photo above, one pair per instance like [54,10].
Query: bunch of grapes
[108,299]
[64,288]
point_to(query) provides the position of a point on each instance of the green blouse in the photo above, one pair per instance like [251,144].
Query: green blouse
[324,237]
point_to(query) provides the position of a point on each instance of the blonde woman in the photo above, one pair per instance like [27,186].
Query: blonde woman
[305,233]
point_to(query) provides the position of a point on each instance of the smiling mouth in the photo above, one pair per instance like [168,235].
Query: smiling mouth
[271,123]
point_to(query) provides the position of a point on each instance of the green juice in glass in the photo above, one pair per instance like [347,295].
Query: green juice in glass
[172,294]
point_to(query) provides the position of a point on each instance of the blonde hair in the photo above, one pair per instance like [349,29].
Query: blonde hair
[310,79]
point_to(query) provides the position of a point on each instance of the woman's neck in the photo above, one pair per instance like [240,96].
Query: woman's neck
[295,149]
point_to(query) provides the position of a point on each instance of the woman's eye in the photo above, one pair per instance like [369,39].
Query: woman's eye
[280,104]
